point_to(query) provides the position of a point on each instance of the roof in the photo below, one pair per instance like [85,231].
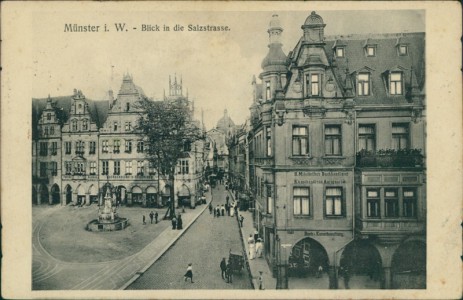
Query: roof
[313,19]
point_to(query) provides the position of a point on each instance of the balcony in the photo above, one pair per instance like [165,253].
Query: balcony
[389,229]
[390,158]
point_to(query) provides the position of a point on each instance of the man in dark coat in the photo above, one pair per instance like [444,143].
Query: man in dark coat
[179,222]
[174,223]
[151,216]
[223,268]
[156,215]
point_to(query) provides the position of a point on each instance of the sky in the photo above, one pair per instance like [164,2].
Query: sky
[216,67]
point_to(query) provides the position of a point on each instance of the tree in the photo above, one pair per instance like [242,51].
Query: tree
[169,130]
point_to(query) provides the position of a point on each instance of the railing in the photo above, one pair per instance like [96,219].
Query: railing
[388,225]
[390,158]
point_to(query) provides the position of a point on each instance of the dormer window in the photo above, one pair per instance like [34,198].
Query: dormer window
[313,85]
[403,50]
[395,83]
[339,51]
[363,84]
[371,51]
[48,116]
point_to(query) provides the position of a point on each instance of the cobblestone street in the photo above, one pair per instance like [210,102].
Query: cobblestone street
[205,243]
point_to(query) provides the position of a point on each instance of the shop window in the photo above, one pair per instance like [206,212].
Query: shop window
[409,203]
[400,136]
[395,83]
[363,84]
[333,139]
[333,202]
[301,201]
[391,203]
[367,137]
[373,202]
[300,141]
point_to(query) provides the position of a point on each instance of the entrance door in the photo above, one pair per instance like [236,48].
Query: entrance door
[55,194]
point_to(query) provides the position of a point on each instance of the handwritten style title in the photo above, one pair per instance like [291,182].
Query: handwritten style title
[123,27]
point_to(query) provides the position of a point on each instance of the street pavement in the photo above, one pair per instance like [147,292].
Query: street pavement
[204,244]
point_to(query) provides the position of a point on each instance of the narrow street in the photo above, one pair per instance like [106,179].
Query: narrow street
[205,243]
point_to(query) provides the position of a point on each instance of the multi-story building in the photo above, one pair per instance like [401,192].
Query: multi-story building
[80,145]
[336,150]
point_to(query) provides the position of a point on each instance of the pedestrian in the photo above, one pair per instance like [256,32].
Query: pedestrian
[218,210]
[222,209]
[235,206]
[259,247]
[227,209]
[241,220]
[179,222]
[232,210]
[229,272]
[261,281]
[256,235]
[189,273]
[215,211]
[252,247]
[151,216]
[144,223]
[227,199]
[320,271]
[223,268]
[174,223]
[210,208]
[156,215]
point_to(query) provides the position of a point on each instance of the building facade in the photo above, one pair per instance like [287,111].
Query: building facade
[336,158]
[80,145]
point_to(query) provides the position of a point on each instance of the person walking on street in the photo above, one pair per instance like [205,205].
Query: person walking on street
[156,215]
[252,247]
[223,268]
[189,273]
[241,220]
[210,208]
[218,210]
[179,222]
[229,272]
[259,247]
[260,279]
[144,223]
[174,223]
[215,211]
[256,235]
[227,199]
[227,209]
[319,271]
[222,209]
[151,216]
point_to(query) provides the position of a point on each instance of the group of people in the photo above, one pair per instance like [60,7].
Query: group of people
[177,222]
[230,208]
[255,245]
[226,269]
[153,215]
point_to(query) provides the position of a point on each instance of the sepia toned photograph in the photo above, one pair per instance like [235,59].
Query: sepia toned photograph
[227,150]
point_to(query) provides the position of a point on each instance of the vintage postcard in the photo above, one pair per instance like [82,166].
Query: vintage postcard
[222,150]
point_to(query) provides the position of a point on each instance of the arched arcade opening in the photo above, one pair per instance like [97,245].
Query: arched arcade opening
[55,194]
[408,268]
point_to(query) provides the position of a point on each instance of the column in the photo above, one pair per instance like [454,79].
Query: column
[87,199]
[39,198]
[50,198]
[129,198]
[144,198]
[332,277]
[387,277]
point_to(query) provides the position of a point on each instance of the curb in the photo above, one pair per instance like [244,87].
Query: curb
[164,250]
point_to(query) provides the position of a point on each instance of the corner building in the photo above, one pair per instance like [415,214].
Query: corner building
[336,163]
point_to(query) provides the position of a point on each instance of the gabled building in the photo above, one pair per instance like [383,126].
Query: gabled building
[336,163]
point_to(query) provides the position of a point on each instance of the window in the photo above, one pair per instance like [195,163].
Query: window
[399,136]
[339,52]
[117,146]
[68,147]
[128,146]
[363,84]
[79,168]
[128,168]
[391,203]
[80,147]
[52,130]
[84,125]
[187,146]
[45,130]
[301,204]
[54,168]
[269,141]
[140,168]
[117,167]
[184,167]
[373,201]
[68,167]
[151,169]
[43,169]
[115,125]
[105,167]
[333,202]
[105,146]
[269,203]
[140,146]
[127,106]
[92,146]
[43,148]
[267,90]
[300,140]
[403,50]
[332,140]
[93,168]
[74,125]
[409,203]
[395,83]
[48,116]
[315,85]
[54,148]
[371,51]
[128,126]
[367,137]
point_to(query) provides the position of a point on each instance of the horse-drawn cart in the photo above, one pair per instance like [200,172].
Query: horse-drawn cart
[236,261]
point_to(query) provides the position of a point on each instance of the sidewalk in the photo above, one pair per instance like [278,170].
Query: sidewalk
[257,264]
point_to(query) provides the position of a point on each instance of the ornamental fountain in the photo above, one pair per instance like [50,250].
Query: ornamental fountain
[108,219]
